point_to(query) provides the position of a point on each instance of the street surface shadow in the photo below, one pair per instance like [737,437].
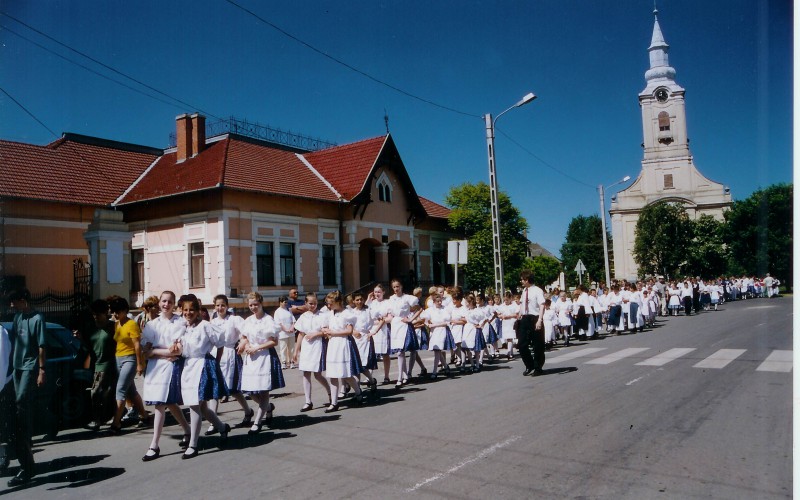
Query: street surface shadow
[287,422]
[558,371]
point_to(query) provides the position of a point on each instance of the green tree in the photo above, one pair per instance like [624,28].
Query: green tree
[545,269]
[758,233]
[707,255]
[470,215]
[663,236]
[584,241]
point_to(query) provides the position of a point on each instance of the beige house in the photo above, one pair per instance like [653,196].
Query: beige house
[228,214]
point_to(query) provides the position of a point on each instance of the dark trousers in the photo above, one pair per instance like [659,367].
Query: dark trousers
[531,343]
[8,412]
[687,305]
[25,389]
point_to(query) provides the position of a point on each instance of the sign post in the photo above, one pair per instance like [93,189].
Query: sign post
[580,269]
[457,254]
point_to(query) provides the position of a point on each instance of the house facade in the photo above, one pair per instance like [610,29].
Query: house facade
[226,214]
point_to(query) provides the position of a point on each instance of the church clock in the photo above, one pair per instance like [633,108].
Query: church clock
[662,94]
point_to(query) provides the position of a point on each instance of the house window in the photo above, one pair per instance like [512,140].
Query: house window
[384,190]
[287,264]
[329,265]
[265,264]
[663,121]
[196,265]
[668,182]
[137,270]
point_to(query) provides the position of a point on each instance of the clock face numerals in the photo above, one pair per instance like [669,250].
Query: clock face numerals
[662,95]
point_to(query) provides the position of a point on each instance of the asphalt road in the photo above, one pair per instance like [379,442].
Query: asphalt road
[699,407]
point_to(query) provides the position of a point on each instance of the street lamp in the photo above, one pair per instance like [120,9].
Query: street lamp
[490,123]
[603,221]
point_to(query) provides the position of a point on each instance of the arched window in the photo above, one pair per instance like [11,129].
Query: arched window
[384,188]
[663,121]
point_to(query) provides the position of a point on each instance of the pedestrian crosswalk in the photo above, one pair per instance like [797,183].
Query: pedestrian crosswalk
[776,361]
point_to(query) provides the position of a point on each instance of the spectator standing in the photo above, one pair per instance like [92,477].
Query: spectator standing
[105,368]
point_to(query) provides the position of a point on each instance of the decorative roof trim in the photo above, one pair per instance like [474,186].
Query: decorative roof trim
[374,164]
[323,179]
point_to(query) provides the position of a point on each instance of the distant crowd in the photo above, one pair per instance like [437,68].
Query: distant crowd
[192,357]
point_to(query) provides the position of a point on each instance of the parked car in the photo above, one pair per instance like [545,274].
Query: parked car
[64,402]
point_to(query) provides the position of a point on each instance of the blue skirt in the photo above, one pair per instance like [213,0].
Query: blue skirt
[324,355]
[410,343]
[212,383]
[614,313]
[371,363]
[238,363]
[499,328]
[480,342]
[423,338]
[493,336]
[276,372]
[355,357]
[174,395]
[449,341]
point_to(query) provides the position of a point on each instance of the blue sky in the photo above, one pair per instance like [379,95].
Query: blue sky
[584,60]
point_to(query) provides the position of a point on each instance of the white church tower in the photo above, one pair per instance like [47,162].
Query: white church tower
[668,170]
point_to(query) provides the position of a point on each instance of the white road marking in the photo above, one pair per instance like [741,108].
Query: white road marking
[575,354]
[667,356]
[610,358]
[720,359]
[778,361]
[483,454]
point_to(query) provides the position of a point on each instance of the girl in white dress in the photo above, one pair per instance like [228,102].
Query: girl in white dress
[549,321]
[437,318]
[403,338]
[262,371]
[379,306]
[472,338]
[508,314]
[365,327]
[495,323]
[285,320]
[342,359]
[230,361]
[422,336]
[458,313]
[563,308]
[674,300]
[163,374]
[310,349]
[201,379]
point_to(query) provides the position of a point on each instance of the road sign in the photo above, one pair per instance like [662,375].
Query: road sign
[457,252]
[580,268]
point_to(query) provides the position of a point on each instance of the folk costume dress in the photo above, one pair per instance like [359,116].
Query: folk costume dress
[262,370]
[507,325]
[312,352]
[440,337]
[364,322]
[403,337]
[342,358]
[456,314]
[201,379]
[489,332]
[473,333]
[162,378]
[381,338]
[231,362]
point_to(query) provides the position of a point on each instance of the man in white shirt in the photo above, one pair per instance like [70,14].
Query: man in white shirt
[531,325]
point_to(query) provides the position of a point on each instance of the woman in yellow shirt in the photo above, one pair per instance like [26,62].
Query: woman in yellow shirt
[129,360]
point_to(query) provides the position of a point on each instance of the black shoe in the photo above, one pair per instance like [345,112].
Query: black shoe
[307,407]
[527,372]
[115,431]
[148,458]
[189,454]
[268,419]
[211,430]
[423,372]
[332,408]
[359,399]
[184,442]
[21,478]
[255,429]
[247,421]
[537,373]
[386,381]
[223,437]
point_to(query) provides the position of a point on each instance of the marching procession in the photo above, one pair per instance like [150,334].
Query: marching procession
[194,359]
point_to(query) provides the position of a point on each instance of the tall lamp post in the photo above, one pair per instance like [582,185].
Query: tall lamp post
[602,191]
[498,261]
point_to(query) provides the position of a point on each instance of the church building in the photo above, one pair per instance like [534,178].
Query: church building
[668,169]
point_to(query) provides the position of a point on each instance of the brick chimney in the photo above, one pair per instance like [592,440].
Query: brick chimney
[183,124]
[191,134]
[198,133]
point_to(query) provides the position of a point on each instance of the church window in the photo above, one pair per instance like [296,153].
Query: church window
[668,184]
[663,121]
[384,189]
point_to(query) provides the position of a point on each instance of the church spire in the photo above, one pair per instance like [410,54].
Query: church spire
[659,54]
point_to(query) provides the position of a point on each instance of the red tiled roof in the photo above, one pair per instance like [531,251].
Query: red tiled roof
[70,171]
[347,167]
[236,164]
[433,209]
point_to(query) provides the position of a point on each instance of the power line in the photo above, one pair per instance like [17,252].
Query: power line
[29,113]
[190,106]
[348,66]
[76,63]
[544,162]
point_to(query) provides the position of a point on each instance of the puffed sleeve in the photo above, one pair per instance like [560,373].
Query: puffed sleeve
[216,334]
